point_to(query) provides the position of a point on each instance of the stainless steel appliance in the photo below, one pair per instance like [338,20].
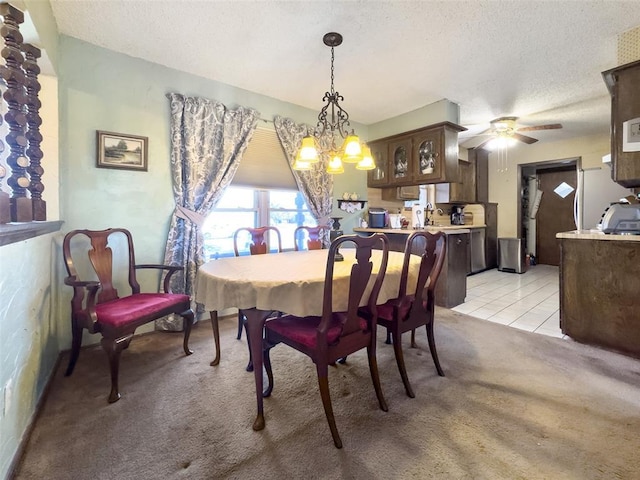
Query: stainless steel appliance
[621,218]
[595,192]
[478,261]
[377,218]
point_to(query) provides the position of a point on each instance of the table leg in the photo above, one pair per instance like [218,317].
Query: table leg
[216,336]
[255,324]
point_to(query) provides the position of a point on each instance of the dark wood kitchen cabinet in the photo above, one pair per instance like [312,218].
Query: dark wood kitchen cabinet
[419,157]
[380,152]
[622,83]
[599,287]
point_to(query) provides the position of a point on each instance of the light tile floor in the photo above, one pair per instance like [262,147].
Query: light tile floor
[528,301]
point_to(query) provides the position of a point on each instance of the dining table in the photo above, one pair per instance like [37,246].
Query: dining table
[291,282]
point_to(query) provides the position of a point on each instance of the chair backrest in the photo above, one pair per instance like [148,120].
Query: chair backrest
[432,249]
[101,259]
[314,236]
[259,245]
[361,272]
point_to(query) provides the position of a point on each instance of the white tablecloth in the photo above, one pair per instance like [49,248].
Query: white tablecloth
[291,282]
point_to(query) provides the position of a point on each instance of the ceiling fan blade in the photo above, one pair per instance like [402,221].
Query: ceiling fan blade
[524,138]
[551,126]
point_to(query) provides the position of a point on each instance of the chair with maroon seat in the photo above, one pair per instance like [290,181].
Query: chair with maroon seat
[314,236]
[258,246]
[414,309]
[104,259]
[335,335]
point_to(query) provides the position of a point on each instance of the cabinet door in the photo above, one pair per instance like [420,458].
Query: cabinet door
[625,115]
[400,154]
[379,177]
[428,157]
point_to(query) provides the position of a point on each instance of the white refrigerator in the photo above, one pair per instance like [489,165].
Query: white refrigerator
[596,191]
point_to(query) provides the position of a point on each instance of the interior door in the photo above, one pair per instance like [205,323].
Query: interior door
[555,213]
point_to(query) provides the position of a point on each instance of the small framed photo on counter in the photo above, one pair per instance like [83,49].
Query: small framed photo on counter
[631,135]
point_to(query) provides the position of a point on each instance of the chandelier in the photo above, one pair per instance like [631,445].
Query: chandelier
[333,122]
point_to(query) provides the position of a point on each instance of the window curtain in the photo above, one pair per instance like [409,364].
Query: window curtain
[207,143]
[315,185]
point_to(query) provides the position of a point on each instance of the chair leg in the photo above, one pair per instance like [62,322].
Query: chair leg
[323,383]
[76,343]
[216,336]
[413,339]
[187,323]
[266,356]
[388,340]
[250,364]
[240,324]
[114,348]
[375,377]
[397,350]
[432,348]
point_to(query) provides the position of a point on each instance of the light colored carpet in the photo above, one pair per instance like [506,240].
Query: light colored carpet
[513,405]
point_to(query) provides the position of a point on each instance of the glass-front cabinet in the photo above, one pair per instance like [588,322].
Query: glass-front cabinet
[379,176]
[422,156]
[400,152]
[427,164]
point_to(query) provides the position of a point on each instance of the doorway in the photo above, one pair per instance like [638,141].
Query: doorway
[547,206]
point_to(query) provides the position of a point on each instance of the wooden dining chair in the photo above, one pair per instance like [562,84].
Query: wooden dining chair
[413,309]
[313,235]
[258,246]
[335,335]
[104,258]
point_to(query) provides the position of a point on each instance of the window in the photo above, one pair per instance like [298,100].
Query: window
[248,207]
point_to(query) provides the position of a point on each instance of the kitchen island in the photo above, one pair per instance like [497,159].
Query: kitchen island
[600,288]
[452,284]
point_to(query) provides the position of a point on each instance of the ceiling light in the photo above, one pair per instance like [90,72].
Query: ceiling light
[333,121]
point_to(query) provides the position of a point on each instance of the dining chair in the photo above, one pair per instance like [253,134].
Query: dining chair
[413,309]
[313,235]
[105,258]
[258,246]
[334,335]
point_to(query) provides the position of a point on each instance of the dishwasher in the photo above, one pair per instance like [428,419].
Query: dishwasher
[477,259]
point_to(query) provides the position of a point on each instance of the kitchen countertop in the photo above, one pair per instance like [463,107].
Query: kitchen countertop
[447,229]
[594,234]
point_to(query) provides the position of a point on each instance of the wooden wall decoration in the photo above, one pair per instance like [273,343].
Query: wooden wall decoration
[33,135]
[19,88]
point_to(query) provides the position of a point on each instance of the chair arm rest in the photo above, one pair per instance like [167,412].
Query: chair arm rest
[167,279]
[72,282]
[85,315]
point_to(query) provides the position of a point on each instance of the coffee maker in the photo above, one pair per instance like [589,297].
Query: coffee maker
[457,215]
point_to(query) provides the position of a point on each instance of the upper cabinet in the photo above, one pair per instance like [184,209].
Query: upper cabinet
[622,83]
[422,156]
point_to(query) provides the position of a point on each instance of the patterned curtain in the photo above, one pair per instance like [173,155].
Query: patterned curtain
[316,185]
[207,143]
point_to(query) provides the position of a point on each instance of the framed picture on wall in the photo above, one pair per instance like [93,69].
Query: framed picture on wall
[631,135]
[122,151]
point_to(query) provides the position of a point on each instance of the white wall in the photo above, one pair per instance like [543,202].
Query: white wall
[503,183]
[29,326]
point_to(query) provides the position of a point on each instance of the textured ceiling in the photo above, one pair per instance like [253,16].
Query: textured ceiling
[537,60]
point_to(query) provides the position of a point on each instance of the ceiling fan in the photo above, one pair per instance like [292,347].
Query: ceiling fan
[506,128]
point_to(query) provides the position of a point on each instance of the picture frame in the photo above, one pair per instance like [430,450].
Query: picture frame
[631,135]
[121,151]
